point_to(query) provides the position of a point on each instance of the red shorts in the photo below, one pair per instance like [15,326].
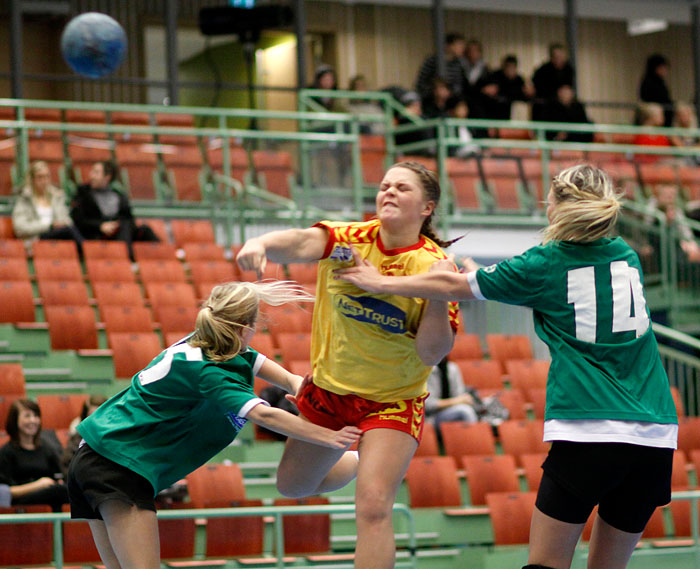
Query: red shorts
[333,411]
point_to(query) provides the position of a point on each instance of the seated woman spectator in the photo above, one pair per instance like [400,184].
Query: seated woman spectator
[326,78]
[566,108]
[650,114]
[29,467]
[685,118]
[89,407]
[358,84]
[665,200]
[449,399]
[40,211]
[436,105]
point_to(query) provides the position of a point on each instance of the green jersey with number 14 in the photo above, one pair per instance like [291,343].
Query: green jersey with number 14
[589,308]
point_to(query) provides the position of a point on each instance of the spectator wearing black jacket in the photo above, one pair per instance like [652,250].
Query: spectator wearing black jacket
[549,76]
[511,87]
[100,211]
[653,88]
[566,109]
[455,46]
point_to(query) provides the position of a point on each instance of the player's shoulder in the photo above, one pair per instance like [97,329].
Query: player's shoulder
[352,231]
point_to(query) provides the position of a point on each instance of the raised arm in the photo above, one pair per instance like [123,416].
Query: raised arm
[437,285]
[287,246]
[274,373]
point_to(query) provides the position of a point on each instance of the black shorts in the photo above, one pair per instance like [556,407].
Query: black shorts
[94,479]
[627,482]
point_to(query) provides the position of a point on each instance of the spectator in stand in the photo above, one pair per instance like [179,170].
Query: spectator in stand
[326,78]
[358,84]
[549,76]
[685,118]
[436,105]
[653,88]
[476,70]
[665,200]
[566,109]
[100,211]
[511,87]
[650,114]
[449,398]
[460,110]
[40,211]
[411,101]
[30,467]
[89,407]
[455,66]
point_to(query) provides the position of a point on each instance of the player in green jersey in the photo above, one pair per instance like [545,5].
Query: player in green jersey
[189,403]
[609,413]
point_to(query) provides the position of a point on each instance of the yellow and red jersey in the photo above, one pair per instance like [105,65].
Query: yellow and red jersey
[364,343]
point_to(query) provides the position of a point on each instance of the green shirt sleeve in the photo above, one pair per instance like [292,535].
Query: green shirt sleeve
[520,280]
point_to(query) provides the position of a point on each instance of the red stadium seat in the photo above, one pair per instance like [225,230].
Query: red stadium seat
[54,249]
[105,250]
[136,319]
[462,438]
[310,533]
[203,252]
[149,250]
[31,543]
[132,352]
[57,411]
[428,445]
[110,270]
[116,293]
[18,301]
[527,374]
[211,272]
[510,516]
[214,483]
[275,171]
[12,248]
[372,158]
[466,347]
[487,474]
[432,482]
[481,374]
[176,319]
[71,327]
[532,465]
[78,543]
[294,346]
[504,347]
[12,381]
[57,270]
[178,294]
[160,271]
[522,437]
[187,231]
[63,293]
[14,269]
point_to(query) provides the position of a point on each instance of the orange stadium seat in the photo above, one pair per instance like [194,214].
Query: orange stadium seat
[461,438]
[188,231]
[510,516]
[689,435]
[160,271]
[110,270]
[115,250]
[428,445]
[176,319]
[305,533]
[117,293]
[178,294]
[263,343]
[12,380]
[487,474]
[13,268]
[150,250]
[132,352]
[211,272]
[71,327]
[6,229]
[466,347]
[372,158]
[158,226]
[134,319]
[532,465]
[503,347]
[215,483]
[78,543]
[287,319]
[240,164]
[57,269]
[538,399]
[300,367]
[32,543]
[238,536]
[275,171]
[18,301]
[304,273]
[203,252]
[522,437]
[294,346]
[54,249]
[679,476]
[527,374]
[481,374]
[138,163]
[514,401]
[12,248]
[63,293]
[184,165]
[432,482]
[6,402]
[57,411]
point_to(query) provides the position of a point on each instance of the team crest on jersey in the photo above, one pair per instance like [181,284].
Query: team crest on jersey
[236,421]
[490,269]
[373,311]
[342,254]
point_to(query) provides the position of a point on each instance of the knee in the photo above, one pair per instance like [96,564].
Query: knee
[373,507]
[292,488]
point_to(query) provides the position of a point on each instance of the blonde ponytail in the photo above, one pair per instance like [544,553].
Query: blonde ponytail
[586,205]
[233,307]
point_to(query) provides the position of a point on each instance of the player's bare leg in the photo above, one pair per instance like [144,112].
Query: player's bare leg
[552,542]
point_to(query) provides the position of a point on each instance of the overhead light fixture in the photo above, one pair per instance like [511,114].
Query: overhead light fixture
[646,26]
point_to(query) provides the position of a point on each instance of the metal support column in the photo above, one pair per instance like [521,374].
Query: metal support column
[171,50]
[572,34]
[438,14]
[16,48]
[695,15]
[300,29]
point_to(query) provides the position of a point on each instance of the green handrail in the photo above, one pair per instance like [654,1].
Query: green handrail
[276,511]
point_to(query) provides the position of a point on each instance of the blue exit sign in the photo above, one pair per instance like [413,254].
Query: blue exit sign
[242,3]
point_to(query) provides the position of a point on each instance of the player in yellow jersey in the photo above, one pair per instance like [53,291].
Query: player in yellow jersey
[371,353]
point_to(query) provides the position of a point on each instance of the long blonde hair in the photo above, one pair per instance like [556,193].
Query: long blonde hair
[233,307]
[586,205]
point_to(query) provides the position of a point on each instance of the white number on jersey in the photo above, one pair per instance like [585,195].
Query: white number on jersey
[627,293]
[162,368]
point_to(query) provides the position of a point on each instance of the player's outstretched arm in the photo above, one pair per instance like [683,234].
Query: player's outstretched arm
[287,246]
[274,373]
[437,285]
[292,426]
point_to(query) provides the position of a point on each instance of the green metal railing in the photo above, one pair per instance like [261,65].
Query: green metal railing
[277,512]
[680,354]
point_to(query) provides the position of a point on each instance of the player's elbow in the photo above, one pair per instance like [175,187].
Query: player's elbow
[432,353]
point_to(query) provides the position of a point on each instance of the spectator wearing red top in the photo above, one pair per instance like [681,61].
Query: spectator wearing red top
[651,114]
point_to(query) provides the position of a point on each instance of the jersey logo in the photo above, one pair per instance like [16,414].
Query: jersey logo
[342,254]
[236,421]
[373,311]
[490,269]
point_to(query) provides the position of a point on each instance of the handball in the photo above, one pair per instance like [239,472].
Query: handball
[93,44]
